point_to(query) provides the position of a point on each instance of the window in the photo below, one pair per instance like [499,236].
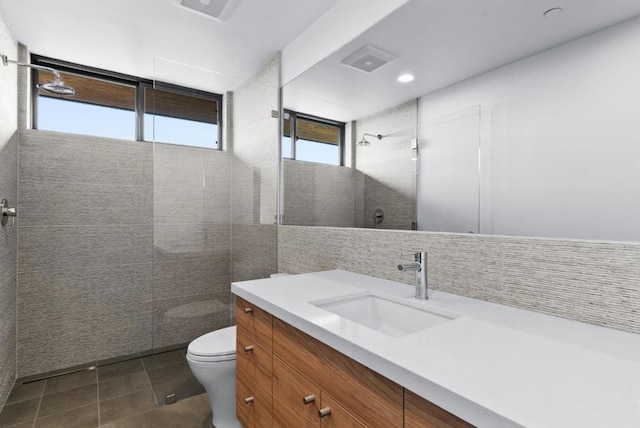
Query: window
[108,104]
[173,116]
[315,139]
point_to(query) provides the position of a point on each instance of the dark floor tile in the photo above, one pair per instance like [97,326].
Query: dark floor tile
[126,406]
[165,359]
[194,412]
[23,425]
[183,388]
[119,369]
[70,381]
[81,417]
[67,400]
[143,420]
[123,385]
[26,391]
[16,413]
[169,374]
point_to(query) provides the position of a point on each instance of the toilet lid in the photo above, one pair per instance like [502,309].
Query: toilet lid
[216,343]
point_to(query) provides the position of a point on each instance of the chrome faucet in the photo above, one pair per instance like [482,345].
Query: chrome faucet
[420,267]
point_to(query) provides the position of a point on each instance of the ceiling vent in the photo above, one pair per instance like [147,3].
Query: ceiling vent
[218,9]
[368,59]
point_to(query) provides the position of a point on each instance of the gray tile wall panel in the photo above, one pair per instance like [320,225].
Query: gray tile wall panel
[182,319]
[8,190]
[254,176]
[7,338]
[191,276]
[57,340]
[389,171]
[255,251]
[192,243]
[317,194]
[57,157]
[54,203]
[8,258]
[61,290]
[181,241]
[71,247]
[593,282]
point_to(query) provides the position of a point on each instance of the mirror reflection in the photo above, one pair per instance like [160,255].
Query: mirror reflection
[482,117]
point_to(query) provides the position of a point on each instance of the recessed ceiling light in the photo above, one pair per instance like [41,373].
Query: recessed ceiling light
[404,78]
[552,13]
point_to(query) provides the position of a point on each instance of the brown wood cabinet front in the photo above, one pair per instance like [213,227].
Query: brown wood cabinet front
[420,413]
[285,378]
[254,370]
[257,322]
[297,400]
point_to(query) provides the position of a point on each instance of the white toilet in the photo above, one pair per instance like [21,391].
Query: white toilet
[212,359]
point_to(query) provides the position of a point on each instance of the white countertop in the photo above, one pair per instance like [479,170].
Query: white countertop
[494,366]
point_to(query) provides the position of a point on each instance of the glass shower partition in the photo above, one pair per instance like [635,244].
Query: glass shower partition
[191,215]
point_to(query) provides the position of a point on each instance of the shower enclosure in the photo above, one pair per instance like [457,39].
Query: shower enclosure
[124,244]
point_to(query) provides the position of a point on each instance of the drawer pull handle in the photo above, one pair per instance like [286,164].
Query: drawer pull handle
[248,400]
[309,399]
[248,310]
[248,348]
[325,411]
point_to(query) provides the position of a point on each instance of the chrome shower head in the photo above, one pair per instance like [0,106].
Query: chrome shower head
[364,142]
[57,87]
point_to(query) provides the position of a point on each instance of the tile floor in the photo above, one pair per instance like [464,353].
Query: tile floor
[130,394]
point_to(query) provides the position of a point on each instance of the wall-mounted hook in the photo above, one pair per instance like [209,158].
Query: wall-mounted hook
[6,212]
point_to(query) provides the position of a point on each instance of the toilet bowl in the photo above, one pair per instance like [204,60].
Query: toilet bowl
[212,359]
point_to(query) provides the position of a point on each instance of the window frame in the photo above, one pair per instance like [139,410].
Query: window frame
[293,128]
[138,83]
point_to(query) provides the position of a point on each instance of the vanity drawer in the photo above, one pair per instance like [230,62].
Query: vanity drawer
[370,397]
[257,322]
[254,366]
[297,400]
[250,410]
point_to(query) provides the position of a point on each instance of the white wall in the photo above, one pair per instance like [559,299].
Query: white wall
[560,138]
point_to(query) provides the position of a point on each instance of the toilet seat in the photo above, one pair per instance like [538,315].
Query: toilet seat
[219,345]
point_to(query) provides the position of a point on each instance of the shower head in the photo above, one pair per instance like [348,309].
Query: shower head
[56,87]
[365,142]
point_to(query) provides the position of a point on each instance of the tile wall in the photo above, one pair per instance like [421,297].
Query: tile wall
[317,195]
[388,173]
[8,235]
[255,175]
[588,281]
[115,253]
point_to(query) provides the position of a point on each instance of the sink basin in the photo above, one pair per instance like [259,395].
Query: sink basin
[384,314]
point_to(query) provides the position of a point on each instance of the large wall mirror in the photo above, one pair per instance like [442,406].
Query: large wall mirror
[521,119]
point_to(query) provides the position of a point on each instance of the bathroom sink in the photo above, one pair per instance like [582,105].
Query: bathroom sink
[387,315]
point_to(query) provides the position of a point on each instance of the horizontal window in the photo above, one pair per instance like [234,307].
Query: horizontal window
[107,104]
[172,117]
[100,108]
[315,139]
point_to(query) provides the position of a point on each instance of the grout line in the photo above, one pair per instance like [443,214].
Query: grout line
[98,394]
[35,418]
[153,392]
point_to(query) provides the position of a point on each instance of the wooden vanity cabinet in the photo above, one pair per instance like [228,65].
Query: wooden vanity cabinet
[302,404]
[254,369]
[372,399]
[286,378]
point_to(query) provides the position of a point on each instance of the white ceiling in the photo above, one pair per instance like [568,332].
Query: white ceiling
[158,39]
[444,42]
